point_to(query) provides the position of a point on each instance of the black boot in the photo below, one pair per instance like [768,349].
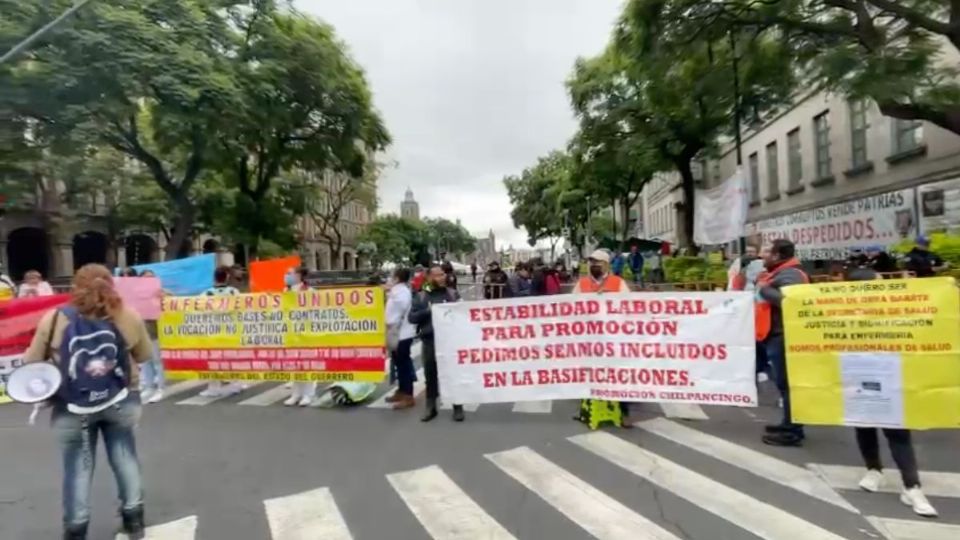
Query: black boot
[431,411]
[133,522]
[458,413]
[75,532]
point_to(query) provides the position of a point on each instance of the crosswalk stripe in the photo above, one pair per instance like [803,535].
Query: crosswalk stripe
[306,516]
[444,510]
[200,401]
[935,484]
[907,529]
[752,461]
[181,529]
[271,396]
[685,411]
[181,387]
[762,519]
[533,407]
[594,511]
[418,388]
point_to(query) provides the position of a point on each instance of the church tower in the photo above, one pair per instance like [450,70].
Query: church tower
[409,208]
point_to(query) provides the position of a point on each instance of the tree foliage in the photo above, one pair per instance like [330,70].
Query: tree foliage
[444,237]
[656,100]
[899,53]
[538,196]
[213,99]
[397,240]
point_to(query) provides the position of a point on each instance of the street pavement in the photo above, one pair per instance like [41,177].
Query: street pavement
[246,467]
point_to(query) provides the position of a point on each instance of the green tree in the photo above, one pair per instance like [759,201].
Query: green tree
[657,98]
[305,105]
[448,237]
[536,196]
[152,79]
[328,195]
[891,51]
[397,240]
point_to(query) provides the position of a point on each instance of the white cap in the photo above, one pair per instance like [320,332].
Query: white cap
[599,255]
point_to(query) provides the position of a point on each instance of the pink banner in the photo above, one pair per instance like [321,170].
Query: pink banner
[142,294]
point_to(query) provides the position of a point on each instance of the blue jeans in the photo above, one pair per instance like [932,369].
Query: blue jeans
[78,436]
[403,364]
[151,372]
[777,356]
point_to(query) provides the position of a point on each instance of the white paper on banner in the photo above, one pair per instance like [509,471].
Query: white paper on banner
[720,213]
[683,347]
[872,389]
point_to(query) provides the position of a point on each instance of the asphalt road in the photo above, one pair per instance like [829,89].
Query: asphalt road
[224,471]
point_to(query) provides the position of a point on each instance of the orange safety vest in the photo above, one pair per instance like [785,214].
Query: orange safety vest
[611,284]
[762,320]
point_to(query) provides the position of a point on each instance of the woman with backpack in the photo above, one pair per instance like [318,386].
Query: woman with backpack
[95,341]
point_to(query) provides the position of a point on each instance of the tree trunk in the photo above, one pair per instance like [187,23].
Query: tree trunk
[182,226]
[688,186]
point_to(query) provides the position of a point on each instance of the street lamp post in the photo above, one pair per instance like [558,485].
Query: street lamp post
[25,44]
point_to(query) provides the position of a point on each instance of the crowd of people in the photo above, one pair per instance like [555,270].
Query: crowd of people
[137,377]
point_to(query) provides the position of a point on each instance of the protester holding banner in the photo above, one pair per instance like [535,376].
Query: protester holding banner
[95,303]
[435,292]
[901,446]
[400,335]
[599,279]
[302,393]
[221,287]
[783,270]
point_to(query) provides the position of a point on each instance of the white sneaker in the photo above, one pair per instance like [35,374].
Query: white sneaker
[292,400]
[305,401]
[872,481]
[232,389]
[915,498]
[156,397]
[146,394]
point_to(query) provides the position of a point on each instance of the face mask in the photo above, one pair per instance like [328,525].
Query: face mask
[290,280]
[596,271]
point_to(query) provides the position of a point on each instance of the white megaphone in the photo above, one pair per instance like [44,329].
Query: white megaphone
[34,383]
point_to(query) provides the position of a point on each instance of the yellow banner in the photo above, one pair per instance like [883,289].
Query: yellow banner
[312,335]
[874,353]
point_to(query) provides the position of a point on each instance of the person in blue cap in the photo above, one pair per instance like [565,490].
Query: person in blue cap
[923,262]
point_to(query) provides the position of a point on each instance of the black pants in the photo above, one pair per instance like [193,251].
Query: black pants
[430,368]
[777,356]
[403,365]
[901,446]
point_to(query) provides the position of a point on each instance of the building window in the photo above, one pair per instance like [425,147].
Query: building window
[754,178]
[907,135]
[794,158]
[821,139]
[773,174]
[858,132]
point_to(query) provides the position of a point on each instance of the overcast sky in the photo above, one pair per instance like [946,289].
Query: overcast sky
[471,90]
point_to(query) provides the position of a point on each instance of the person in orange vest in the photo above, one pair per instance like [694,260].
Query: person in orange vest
[599,280]
[783,270]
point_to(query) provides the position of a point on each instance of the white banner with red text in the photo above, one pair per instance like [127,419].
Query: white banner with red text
[684,347]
